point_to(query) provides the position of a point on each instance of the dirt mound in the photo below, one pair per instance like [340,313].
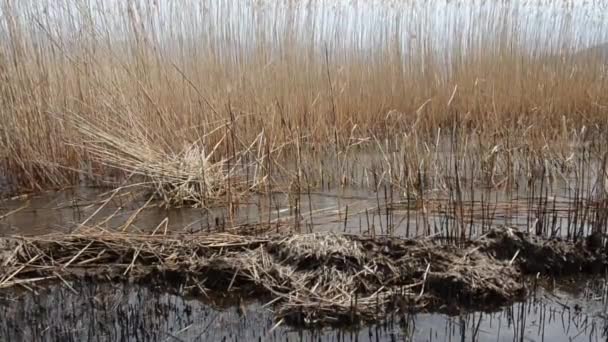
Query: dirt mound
[546,256]
[310,278]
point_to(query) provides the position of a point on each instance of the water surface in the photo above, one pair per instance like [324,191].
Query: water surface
[128,312]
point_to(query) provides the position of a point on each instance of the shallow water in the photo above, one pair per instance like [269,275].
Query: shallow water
[127,312]
[116,312]
[123,312]
[348,209]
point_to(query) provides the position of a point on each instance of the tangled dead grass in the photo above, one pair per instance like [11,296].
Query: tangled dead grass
[310,278]
[192,176]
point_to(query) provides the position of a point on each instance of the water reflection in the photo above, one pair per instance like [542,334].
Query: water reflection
[122,312]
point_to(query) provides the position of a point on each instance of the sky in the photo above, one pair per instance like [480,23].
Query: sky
[363,25]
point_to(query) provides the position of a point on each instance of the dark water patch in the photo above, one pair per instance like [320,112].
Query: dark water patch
[88,311]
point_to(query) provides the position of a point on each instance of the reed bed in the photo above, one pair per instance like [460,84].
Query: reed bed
[310,279]
[293,79]
[436,107]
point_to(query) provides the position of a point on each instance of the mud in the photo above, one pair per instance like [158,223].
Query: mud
[555,257]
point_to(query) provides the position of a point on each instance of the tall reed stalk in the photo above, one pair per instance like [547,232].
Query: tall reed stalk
[328,74]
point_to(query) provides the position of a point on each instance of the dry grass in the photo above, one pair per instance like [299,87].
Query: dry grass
[190,176]
[150,94]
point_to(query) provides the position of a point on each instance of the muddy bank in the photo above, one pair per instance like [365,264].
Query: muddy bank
[555,257]
[309,279]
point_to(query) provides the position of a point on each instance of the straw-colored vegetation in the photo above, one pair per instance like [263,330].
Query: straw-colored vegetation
[200,102]
[183,92]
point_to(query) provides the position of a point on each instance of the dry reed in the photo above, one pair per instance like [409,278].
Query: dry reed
[302,79]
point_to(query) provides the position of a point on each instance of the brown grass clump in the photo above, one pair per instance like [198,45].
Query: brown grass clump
[316,248]
[192,175]
[311,278]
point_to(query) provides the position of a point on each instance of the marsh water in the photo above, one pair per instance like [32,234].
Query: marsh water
[125,312]
[573,310]
[552,211]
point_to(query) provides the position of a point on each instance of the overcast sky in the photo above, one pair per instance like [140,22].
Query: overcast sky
[358,24]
